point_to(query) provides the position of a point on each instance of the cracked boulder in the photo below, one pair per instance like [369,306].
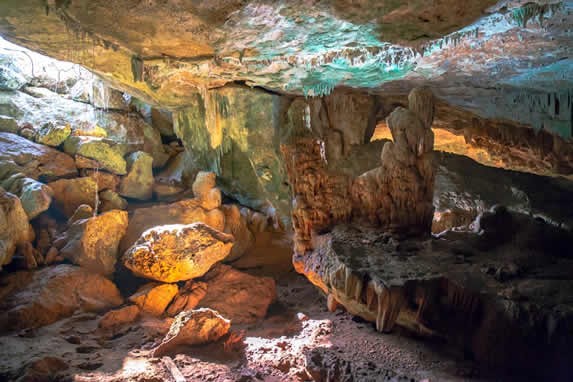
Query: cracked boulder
[172,253]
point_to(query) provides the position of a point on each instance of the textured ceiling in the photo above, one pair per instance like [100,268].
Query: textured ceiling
[500,59]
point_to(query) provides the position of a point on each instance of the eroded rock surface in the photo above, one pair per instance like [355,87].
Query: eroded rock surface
[15,229]
[34,299]
[172,253]
[193,327]
[238,296]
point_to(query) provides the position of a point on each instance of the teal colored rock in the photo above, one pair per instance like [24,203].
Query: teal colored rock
[52,134]
[105,153]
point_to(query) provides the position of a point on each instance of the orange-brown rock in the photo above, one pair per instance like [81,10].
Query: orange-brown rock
[194,327]
[153,298]
[188,297]
[69,194]
[38,298]
[240,297]
[15,230]
[236,225]
[119,317]
[104,180]
[172,253]
[36,160]
[93,243]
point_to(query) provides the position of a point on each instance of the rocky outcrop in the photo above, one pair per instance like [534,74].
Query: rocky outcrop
[154,298]
[93,243]
[193,327]
[35,160]
[472,289]
[172,253]
[238,296]
[15,231]
[398,195]
[34,299]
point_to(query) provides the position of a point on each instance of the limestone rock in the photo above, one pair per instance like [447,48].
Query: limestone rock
[237,295]
[69,194]
[105,97]
[35,160]
[138,183]
[177,252]
[110,200]
[162,120]
[204,182]
[52,134]
[8,125]
[183,212]
[154,298]
[14,227]
[119,317]
[34,299]
[92,243]
[194,327]
[108,156]
[236,225]
[188,297]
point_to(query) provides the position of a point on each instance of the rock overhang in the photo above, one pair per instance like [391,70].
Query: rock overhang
[487,57]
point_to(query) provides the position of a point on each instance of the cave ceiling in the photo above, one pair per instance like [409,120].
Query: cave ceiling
[510,60]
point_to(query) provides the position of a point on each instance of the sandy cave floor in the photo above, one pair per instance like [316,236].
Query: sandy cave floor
[298,327]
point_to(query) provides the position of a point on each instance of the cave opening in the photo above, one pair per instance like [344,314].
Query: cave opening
[286,191]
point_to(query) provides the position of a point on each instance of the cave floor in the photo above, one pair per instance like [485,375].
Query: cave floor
[298,337]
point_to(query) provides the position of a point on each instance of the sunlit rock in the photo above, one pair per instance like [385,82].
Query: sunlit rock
[34,299]
[154,298]
[92,243]
[172,253]
[193,327]
[111,200]
[15,230]
[236,225]
[36,197]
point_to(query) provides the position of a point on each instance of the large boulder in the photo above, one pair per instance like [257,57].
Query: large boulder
[193,327]
[34,299]
[36,160]
[92,243]
[154,298]
[107,155]
[15,229]
[138,183]
[183,212]
[69,194]
[240,297]
[177,252]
